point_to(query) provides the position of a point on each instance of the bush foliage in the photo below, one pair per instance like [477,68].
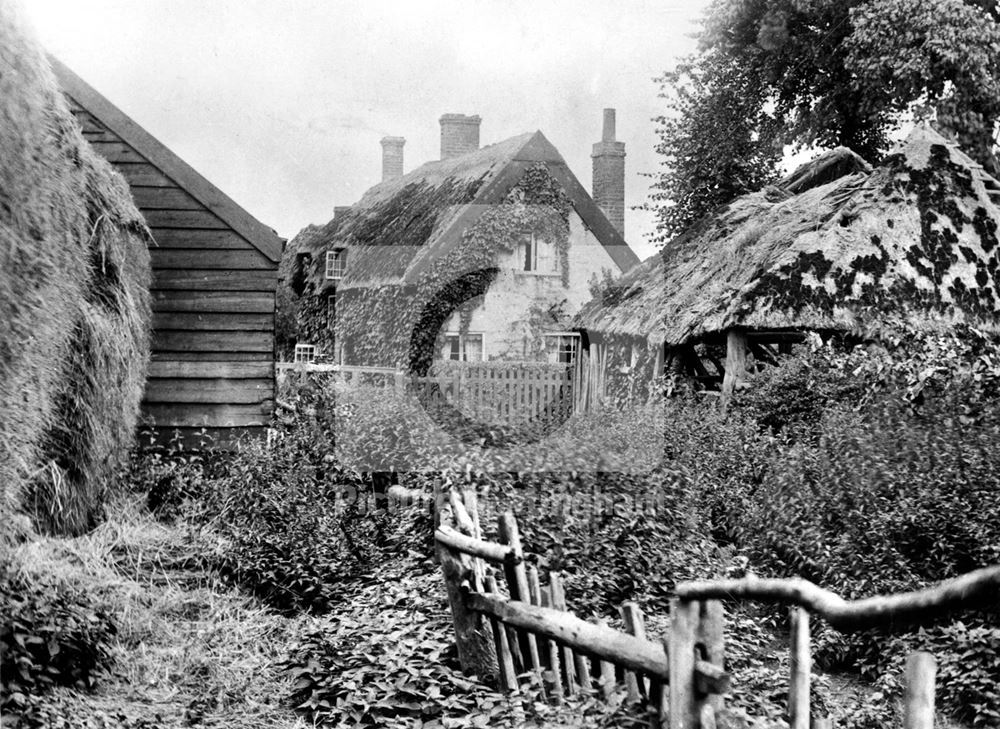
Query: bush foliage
[872,469]
[52,635]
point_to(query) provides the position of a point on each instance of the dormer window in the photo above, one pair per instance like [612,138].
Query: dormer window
[538,255]
[336,264]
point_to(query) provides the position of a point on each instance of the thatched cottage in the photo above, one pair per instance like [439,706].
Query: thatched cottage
[835,247]
[215,270]
[483,255]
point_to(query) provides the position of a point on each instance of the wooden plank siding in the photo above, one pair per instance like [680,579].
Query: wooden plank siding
[212,364]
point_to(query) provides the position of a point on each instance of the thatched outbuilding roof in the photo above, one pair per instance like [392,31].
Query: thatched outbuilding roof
[401,226]
[834,246]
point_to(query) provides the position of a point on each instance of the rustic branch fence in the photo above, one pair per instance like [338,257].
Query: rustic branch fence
[681,678]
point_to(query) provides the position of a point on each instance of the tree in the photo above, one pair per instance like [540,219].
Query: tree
[770,73]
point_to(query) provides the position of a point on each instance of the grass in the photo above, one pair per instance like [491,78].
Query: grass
[189,650]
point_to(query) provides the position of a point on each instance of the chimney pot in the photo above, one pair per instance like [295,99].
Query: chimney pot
[608,134]
[459,135]
[609,173]
[392,157]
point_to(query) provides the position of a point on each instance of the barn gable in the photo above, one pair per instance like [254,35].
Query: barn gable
[214,278]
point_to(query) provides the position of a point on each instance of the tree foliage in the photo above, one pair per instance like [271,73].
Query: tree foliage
[771,73]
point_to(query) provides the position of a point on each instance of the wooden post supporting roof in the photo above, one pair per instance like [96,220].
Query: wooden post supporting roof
[736,361]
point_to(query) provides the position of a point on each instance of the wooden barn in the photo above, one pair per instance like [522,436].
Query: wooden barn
[215,271]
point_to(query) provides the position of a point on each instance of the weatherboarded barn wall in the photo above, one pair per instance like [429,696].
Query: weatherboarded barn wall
[214,278]
[74,302]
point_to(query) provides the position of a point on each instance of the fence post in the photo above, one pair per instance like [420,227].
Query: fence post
[607,679]
[517,586]
[545,594]
[918,698]
[508,678]
[549,650]
[799,668]
[634,625]
[711,643]
[696,637]
[680,647]
[475,650]
[559,603]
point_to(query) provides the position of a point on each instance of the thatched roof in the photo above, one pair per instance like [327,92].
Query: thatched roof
[74,300]
[402,225]
[835,246]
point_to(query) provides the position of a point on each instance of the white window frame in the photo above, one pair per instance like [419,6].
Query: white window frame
[533,239]
[461,337]
[336,264]
[558,349]
[304,354]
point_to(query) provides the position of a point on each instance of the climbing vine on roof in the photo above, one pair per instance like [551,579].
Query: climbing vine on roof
[378,324]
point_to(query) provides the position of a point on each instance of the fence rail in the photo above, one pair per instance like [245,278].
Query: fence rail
[845,616]
[681,678]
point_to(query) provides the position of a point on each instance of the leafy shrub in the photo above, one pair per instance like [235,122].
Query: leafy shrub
[295,525]
[174,476]
[52,635]
[794,396]
[894,488]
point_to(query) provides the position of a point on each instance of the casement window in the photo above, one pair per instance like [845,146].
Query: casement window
[336,264]
[305,353]
[463,347]
[538,255]
[562,347]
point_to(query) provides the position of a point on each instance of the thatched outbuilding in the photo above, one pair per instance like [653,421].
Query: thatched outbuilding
[215,270]
[834,247]
[74,301]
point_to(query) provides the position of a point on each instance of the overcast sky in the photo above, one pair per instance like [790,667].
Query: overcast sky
[282,104]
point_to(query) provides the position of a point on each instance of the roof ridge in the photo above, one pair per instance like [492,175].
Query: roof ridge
[132,133]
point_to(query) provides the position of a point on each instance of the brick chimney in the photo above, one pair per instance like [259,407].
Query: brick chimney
[459,135]
[609,173]
[392,157]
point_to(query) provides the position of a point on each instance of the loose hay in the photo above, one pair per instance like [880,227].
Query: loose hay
[186,652]
[74,301]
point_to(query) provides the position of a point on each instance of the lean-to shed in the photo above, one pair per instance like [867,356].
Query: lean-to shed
[214,269]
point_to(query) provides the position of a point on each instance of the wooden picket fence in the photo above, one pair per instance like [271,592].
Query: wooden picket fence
[488,392]
[681,678]
[501,393]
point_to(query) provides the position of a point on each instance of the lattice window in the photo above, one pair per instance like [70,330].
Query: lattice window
[305,353]
[336,264]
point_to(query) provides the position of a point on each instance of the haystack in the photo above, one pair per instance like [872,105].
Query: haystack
[74,301]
